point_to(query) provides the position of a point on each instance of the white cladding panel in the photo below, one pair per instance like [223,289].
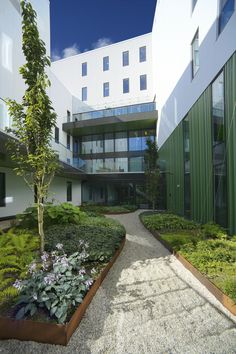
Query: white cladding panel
[69,71]
[173,31]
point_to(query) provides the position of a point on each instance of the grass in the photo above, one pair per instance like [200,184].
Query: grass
[207,247]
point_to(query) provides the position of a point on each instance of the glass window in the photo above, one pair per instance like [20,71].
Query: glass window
[105,63]
[106,89]
[109,165]
[2,189]
[87,144]
[142,54]
[226,11]
[75,146]
[125,58]
[109,142]
[143,82]
[121,164]
[68,116]
[135,141]
[193,4]
[121,142]
[195,54]
[84,94]
[97,144]
[68,141]
[56,135]
[69,191]
[136,164]
[98,166]
[125,85]
[84,69]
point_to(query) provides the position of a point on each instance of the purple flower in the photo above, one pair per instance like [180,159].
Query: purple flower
[49,279]
[18,284]
[82,271]
[64,262]
[32,268]
[88,282]
[45,256]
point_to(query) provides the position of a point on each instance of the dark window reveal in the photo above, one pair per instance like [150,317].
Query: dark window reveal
[69,191]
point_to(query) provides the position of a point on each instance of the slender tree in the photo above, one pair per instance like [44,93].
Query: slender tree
[152,171]
[33,118]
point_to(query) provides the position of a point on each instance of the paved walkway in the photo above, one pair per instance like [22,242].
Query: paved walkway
[148,304]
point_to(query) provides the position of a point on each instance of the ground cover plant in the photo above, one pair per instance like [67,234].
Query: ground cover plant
[108,209]
[50,286]
[207,247]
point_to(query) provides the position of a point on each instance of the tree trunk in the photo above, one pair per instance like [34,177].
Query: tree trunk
[40,223]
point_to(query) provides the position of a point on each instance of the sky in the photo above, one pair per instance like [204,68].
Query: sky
[81,25]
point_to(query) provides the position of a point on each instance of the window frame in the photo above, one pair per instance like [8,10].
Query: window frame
[126,80]
[125,60]
[140,82]
[196,36]
[221,29]
[84,94]
[84,69]
[106,89]
[106,65]
[140,56]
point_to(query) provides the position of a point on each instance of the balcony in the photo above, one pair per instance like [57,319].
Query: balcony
[138,116]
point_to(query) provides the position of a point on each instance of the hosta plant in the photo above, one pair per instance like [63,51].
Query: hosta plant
[56,285]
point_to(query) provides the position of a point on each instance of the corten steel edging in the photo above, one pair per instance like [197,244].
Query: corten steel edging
[52,333]
[223,298]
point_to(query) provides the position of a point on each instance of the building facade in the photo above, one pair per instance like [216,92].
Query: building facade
[184,70]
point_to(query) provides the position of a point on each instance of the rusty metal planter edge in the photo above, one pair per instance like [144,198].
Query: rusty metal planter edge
[223,298]
[52,333]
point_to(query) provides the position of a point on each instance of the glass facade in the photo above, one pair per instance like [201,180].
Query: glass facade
[105,63]
[125,85]
[142,54]
[219,153]
[121,141]
[195,54]
[84,69]
[136,164]
[84,94]
[106,89]
[143,82]
[226,11]
[125,58]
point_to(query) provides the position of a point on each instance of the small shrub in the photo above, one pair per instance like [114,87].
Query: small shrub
[113,209]
[212,230]
[64,213]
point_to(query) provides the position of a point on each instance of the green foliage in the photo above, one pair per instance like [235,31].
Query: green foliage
[102,234]
[94,210]
[212,230]
[64,213]
[152,171]
[59,284]
[166,221]
[180,238]
[17,250]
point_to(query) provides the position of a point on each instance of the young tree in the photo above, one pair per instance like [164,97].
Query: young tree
[34,118]
[152,171]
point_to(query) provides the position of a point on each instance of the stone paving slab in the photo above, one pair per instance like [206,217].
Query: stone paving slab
[148,304]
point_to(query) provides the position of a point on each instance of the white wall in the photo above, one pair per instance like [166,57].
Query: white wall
[173,31]
[69,71]
[57,191]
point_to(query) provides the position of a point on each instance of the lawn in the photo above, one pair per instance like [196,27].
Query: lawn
[207,247]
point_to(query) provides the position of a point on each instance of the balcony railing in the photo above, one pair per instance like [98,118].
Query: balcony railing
[117,111]
[66,155]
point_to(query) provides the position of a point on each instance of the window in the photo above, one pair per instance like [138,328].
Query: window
[68,141]
[106,89]
[195,54]
[142,54]
[226,11]
[56,135]
[121,141]
[219,153]
[84,69]
[125,85]
[105,63]
[2,189]
[143,82]
[136,164]
[109,142]
[84,94]
[69,191]
[68,116]
[193,4]
[125,58]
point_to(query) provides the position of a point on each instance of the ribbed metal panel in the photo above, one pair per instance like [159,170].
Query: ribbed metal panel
[171,156]
[230,121]
[200,126]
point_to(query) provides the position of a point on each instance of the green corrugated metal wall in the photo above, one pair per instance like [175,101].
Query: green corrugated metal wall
[201,159]
[230,120]
[172,154]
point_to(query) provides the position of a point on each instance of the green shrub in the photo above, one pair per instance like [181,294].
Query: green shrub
[64,213]
[212,230]
[180,238]
[166,221]
[17,250]
[103,209]
[102,235]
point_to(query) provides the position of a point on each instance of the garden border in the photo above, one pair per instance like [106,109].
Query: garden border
[52,333]
[224,299]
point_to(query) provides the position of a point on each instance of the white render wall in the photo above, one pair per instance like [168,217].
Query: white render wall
[69,72]
[173,31]
[19,196]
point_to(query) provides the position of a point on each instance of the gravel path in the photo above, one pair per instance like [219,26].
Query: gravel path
[149,303]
